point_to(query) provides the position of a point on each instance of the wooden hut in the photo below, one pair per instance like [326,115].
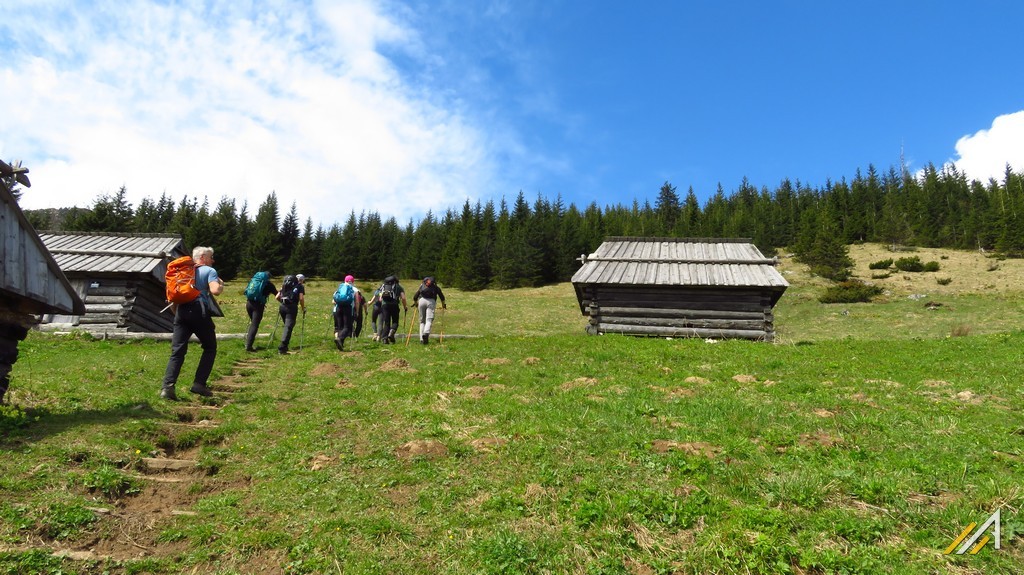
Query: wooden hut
[679,287]
[31,283]
[120,277]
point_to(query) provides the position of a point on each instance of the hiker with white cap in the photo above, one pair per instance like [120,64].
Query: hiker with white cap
[292,296]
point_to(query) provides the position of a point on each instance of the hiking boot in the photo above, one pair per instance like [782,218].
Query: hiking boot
[168,394]
[424,338]
[201,389]
[338,343]
[250,349]
[282,351]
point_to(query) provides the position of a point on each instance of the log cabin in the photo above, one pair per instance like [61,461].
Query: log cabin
[32,283]
[120,277]
[679,287]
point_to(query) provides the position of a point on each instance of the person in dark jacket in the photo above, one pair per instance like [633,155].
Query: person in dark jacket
[425,299]
[255,308]
[391,293]
[292,297]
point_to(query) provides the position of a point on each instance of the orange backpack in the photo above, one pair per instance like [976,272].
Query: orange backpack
[181,279]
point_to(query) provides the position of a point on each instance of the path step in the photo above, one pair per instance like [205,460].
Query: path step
[163,464]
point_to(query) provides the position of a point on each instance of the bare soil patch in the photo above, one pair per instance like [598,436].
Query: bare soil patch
[692,448]
[744,378]
[496,361]
[325,369]
[397,364]
[819,439]
[487,444]
[478,391]
[320,461]
[428,448]
[579,382]
[698,380]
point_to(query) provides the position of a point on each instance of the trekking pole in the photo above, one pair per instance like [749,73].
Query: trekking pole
[444,308]
[415,314]
[272,333]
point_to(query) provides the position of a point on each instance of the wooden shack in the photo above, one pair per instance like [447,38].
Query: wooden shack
[32,283]
[679,287]
[120,277]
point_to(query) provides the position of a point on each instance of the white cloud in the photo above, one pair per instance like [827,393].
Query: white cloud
[985,154]
[232,100]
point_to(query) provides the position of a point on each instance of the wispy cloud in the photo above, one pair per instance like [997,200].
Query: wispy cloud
[985,154]
[236,100]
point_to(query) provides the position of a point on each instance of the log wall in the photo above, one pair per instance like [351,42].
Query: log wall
[676,311]
[120,305]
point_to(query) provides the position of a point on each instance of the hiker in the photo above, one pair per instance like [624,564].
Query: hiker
[292,296]
[391,292]
[256,294]
[359,311]
[11,333]
[195,317]
[375,315]
[425,299]
[344,302]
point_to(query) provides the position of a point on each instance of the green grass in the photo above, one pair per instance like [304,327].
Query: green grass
[862,443]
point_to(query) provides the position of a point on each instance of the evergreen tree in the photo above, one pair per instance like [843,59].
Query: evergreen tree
[289,233]
[109,213]
[263,252]
[689,225]
[668,209]
[227,239]
[304,255]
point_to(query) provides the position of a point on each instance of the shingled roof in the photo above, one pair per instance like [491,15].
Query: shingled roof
[679,261]
[99,252]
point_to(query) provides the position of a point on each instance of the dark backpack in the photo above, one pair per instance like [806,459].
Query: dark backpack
[288,289]
[388,292]
[256,291]
[345,294]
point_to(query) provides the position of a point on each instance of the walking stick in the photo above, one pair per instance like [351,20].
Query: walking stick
[415,314]
[272,333]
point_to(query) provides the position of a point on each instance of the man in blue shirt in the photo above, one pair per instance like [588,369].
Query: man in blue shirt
[195,317]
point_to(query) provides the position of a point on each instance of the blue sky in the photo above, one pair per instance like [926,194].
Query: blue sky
[404,107]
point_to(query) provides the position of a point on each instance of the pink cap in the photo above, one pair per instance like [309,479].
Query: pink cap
[349,279]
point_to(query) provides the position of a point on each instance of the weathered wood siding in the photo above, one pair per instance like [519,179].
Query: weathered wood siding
[31,281]
[119,276]
[719,288]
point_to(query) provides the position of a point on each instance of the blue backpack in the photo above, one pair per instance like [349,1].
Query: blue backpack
[345,294]
[256,290]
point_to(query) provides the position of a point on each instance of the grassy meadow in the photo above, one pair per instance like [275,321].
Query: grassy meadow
[864,440]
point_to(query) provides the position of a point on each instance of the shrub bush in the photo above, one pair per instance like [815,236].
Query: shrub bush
[830,273]
[881,276]
[881,264]
[943,281]
[931,267]
[850,292]
[912,264]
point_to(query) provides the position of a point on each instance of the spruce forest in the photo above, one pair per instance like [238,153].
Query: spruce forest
[531,243]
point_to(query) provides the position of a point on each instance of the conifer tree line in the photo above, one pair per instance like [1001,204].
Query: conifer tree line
[529,243]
